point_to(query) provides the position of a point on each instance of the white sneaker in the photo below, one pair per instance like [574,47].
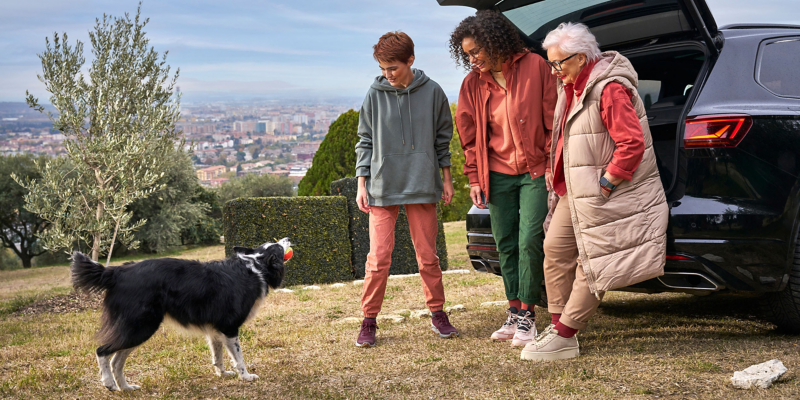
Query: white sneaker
[509,328]
[526,329]
[551,347]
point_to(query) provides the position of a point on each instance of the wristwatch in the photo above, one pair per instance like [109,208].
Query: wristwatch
[606,184]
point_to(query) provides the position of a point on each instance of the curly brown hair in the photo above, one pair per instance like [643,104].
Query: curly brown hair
[491,31]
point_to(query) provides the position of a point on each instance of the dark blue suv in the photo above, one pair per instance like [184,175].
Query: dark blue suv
[724,112]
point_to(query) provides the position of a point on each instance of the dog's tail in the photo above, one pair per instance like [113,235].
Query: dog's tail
[89,275]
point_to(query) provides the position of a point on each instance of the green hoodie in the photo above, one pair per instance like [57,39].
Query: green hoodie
[405,140]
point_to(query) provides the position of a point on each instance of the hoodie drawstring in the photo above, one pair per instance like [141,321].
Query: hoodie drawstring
[411,120]
[402,126]
[400,114]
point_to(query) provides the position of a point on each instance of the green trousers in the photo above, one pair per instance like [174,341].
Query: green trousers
[518,207]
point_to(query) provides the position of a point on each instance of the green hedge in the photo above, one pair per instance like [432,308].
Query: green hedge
[317,227]
[404,259]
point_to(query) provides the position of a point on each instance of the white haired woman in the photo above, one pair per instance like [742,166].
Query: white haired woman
[606,227]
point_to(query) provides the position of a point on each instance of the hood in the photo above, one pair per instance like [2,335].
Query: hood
[382,84]
[612,64]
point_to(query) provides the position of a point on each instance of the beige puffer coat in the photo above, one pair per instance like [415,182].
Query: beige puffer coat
[621,239]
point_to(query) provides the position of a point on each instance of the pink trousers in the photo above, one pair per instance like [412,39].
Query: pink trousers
[424,228]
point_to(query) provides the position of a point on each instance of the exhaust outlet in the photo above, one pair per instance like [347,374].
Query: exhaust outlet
[689,281]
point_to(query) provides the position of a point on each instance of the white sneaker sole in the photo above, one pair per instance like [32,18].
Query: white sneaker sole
[504,338]
[520,343]
[365,344]
[433,328]
[562,354]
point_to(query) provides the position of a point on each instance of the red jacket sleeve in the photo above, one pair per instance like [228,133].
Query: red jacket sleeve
[549,99]
[619,117]
[465,123]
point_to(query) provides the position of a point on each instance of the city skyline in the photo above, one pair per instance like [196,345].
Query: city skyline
[275,49]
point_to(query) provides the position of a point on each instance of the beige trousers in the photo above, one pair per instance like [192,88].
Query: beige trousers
[567,290]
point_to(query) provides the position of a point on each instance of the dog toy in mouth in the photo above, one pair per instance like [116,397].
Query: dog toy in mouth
[288,254]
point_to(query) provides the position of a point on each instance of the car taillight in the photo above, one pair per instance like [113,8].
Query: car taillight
[716,131]
[679,258]
[489,248]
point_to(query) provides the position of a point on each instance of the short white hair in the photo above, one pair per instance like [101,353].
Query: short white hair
[573,38]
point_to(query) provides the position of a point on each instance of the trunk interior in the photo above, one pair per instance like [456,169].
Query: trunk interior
[666,79]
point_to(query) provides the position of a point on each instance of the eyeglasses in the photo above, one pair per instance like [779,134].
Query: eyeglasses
[475,52]
[556,65]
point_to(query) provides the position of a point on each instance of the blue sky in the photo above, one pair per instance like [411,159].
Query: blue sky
[306,48]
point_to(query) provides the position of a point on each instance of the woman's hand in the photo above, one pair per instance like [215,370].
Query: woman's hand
[613,179]
[475,195]
[361,195]
[548,180]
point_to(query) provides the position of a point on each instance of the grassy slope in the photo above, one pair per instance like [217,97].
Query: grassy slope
[638,346]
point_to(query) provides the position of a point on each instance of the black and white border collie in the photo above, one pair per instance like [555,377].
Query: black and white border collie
[215,298]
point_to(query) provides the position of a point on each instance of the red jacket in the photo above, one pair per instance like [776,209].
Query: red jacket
[619,117]
[531,104]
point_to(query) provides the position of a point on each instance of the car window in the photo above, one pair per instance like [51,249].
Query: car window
[777,66]
[529,18]
[648,91]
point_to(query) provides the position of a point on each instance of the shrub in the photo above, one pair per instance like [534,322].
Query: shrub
[317,227]
[254,185]
[404,259]
[335,159]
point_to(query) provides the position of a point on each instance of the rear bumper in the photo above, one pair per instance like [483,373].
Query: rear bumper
[696,269]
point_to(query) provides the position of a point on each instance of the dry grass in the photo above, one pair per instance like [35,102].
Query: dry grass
[638,346]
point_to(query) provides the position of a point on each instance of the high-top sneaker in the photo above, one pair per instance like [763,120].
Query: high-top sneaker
[366,336]
[441,325]
[509,328]
[526,329]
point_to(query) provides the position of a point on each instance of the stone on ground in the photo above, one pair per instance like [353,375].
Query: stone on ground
[494,303]
[348,320]
[759,375]
[390,318]
[457,271]
[312,287]
[338,285]
[401,276]
[358,282]
[420,314]
[284,290]
[456,308]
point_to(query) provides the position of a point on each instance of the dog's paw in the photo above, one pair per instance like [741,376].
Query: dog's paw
[131,387]
[113,388]
[225,374]
[249,377]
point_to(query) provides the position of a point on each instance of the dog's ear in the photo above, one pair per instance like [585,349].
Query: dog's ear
[243,250]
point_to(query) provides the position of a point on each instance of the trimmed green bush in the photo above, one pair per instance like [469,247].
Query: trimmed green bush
[404,259]
[317,227]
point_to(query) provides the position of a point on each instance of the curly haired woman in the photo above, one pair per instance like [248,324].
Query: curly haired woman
[504,118]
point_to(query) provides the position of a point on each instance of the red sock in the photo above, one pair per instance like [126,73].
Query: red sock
[565,331]
[528,307]
[554,318]
[516,303]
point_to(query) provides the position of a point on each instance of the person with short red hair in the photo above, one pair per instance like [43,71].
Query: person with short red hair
[405,129]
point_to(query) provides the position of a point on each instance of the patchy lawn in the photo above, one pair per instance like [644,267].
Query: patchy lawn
[302,346]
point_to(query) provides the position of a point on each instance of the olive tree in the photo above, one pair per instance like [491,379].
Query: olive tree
[119,122]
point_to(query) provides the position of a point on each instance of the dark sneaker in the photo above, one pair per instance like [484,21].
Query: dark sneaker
[366,336]
[526,330]
[441,325]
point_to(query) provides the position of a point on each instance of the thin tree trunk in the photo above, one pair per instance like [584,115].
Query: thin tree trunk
[97,235]
[113,240]
[26,261]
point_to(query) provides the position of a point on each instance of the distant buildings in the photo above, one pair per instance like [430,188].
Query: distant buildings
[209,173]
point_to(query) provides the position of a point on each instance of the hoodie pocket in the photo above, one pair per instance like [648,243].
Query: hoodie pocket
[411,173]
